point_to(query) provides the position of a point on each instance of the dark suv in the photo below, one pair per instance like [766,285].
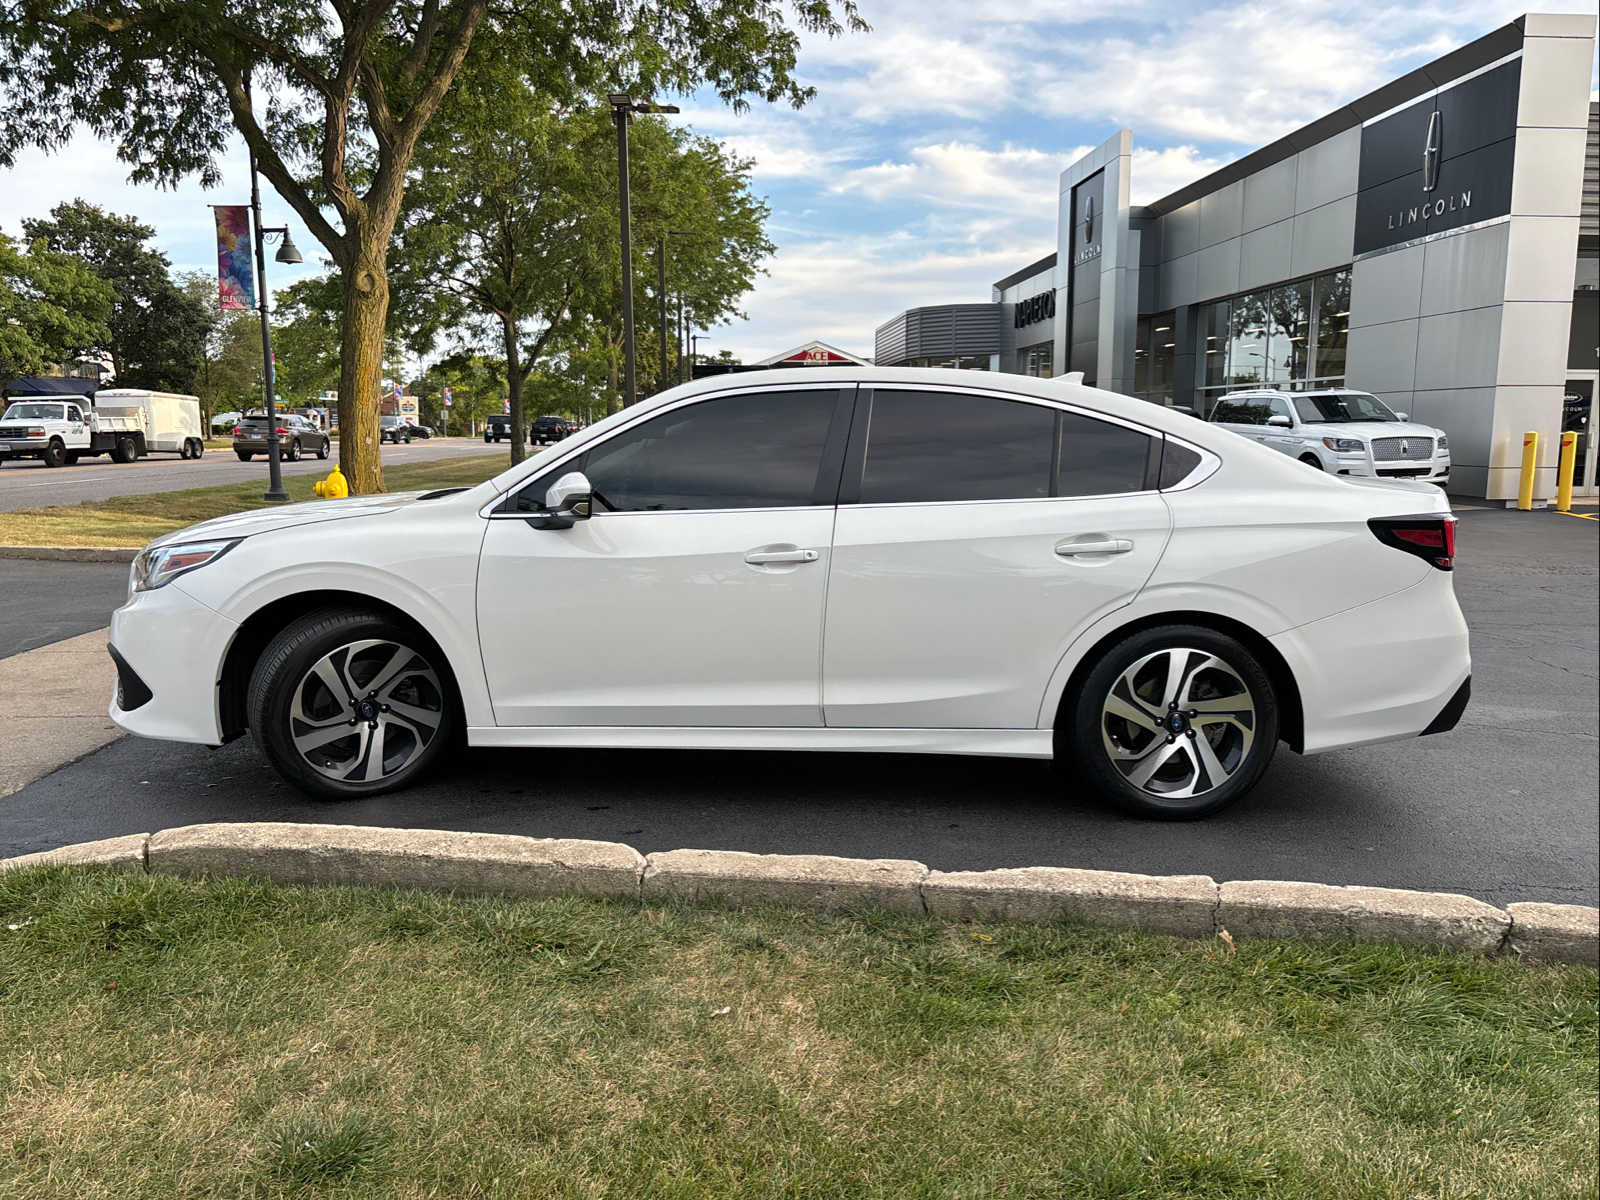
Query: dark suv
[296,436]
[497,428]
[550,429]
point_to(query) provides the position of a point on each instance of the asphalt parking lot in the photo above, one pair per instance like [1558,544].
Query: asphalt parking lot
[28,483]
[1507,807]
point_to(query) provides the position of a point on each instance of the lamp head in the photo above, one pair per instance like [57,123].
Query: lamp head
[288,252]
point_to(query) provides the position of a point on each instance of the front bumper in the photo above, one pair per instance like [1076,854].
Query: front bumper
[174,647]
[23,445]
[1434,470]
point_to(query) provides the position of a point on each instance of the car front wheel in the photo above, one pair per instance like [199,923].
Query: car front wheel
[1174,722]
[348,704]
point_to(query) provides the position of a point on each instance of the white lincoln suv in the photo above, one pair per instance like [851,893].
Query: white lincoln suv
[1340,431]
[857,559]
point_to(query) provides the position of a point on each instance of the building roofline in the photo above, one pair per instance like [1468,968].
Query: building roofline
[1480,53]
[1049,260]
[793,350]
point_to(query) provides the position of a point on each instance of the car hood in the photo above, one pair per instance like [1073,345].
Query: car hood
[1373,429]
[266,520]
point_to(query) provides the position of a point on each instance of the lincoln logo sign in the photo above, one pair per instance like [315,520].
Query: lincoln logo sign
[1430,154]
[1454,202]
[1035,308]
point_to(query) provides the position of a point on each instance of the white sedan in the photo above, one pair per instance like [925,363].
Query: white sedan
[859,559]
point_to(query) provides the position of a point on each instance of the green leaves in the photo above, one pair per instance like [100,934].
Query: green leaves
[52,307]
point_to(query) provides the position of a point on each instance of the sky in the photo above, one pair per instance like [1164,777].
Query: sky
[927,166]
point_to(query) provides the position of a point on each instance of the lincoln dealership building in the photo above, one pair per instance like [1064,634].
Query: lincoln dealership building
[1434,242]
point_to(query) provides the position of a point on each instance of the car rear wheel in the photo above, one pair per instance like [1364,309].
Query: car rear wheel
[1174,722]
[126,450]
[244,455]
[323,450]
[348,704]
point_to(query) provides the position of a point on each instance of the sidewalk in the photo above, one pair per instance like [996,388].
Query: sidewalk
[53,705]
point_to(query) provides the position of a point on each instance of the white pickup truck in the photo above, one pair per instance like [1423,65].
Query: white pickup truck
[126,425]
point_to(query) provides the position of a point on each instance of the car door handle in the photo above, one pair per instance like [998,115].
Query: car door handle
[772,558]
[1105,545]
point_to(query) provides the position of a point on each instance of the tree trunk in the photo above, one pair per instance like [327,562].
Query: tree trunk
[519,428]
[366,308]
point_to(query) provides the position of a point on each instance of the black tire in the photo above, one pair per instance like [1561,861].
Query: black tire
[244,455]
[294,450]
[1312,461]
[487,439]
[199,449]
[55,454]
[1091,729]
[71,458]
[325,449]
[284,670]
[125,450]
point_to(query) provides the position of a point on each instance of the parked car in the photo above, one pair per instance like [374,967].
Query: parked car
[497,426]
[1338,430]
[296,437]
[887,560]
[548,430]
[418,431]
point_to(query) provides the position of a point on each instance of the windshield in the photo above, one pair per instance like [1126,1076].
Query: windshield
[33,412]
[1339,407]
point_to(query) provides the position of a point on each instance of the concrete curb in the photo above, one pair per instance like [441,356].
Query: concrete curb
[505,864]
[493,863]
[802,880]
[113,554]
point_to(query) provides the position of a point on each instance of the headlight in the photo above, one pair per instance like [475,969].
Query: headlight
[1344,445]
[1444,442]
[155,567]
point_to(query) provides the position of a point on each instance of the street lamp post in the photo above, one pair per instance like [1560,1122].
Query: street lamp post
[287,253]
[661,306]
[622,109]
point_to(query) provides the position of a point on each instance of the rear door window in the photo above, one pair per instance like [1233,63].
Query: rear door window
[928,447]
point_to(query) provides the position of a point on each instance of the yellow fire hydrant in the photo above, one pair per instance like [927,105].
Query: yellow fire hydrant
[333,487]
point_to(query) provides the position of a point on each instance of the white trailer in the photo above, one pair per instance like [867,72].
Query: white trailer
[171,422]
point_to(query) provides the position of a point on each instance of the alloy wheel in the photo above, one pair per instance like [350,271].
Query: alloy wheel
[366,711]
[1178,723]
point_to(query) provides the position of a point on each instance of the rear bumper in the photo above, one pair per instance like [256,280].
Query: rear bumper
[1394,668]
[1450,715]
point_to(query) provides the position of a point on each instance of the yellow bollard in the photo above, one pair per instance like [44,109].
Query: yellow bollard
[1569,463]
[1530,464]
[333,487]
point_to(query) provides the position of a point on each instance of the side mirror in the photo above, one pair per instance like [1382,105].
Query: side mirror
[568,501]
[1279,421]
[1400,416]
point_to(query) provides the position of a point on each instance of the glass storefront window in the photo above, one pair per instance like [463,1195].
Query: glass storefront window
[1289,332]
[1163,349]
[1333,325]
[1292,336]
[1036,360]
[960,362]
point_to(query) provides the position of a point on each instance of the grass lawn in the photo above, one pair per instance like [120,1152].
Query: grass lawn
[134,520]
[173,1039]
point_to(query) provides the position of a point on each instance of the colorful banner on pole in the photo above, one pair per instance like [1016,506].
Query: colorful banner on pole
[235,280]
[447,400]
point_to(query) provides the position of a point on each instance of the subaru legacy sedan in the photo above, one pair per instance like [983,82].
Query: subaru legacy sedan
[902,560]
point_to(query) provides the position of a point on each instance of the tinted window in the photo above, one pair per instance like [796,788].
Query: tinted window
[1249,410]
[927,446]
[1176,463]
[930,446]
[1099,458]
[1346,406]
[757,451]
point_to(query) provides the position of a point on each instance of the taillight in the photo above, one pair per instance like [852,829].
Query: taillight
[1432,536]
[281,429]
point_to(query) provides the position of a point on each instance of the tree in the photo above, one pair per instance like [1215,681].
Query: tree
[156,331]
[52,307]
[305,338]
[229,375]
[353,84]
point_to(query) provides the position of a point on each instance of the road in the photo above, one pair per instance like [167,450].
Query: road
[1504,808]
[28,483]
